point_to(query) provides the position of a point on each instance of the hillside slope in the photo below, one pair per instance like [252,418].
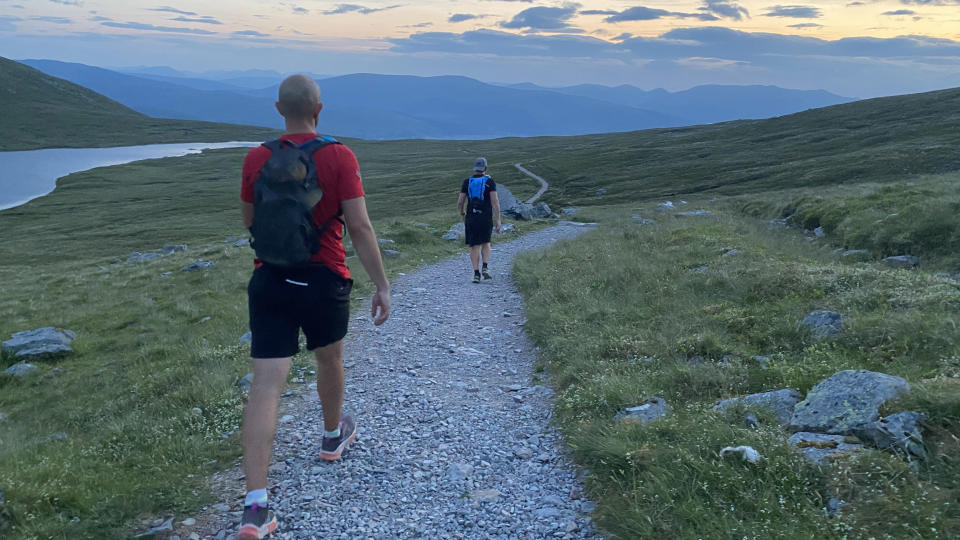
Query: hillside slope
[40,111]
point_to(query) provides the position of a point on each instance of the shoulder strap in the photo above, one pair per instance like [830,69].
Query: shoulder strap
[311,146]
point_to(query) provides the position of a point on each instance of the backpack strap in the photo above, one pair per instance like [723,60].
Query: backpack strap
[310,147]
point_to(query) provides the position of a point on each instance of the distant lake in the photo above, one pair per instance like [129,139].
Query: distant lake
[26,175]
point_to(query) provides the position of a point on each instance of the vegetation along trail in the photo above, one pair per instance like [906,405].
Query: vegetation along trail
[453,440]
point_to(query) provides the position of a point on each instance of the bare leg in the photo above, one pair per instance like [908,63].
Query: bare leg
[486,253]
[330,383]
[475,257]
[260,418]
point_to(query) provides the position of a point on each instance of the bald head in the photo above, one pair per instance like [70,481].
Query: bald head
[299,98]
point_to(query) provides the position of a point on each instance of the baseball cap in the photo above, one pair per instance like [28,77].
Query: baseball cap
[480,165]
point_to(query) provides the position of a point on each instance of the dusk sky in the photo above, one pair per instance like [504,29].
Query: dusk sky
[856,48]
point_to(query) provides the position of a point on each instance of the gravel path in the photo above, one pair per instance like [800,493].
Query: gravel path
[453,441]
[544,186]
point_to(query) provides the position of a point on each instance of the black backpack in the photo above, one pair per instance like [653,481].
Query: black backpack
[285,194]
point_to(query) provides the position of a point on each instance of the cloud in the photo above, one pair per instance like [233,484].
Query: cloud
[201,20]
[100,18]
[806,25]
[250,33]
[641,13]
[419,25]
[168,9]
[726,8]
[354,8]
[461,17]
[931,2]
[794,12]
[68,2]
[899,12]
[55,20]
[152,28]
[543,18]
[7,23]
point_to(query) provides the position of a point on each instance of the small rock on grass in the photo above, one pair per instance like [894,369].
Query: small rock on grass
[654,409]
[198,265]
[823,323]
[21,370]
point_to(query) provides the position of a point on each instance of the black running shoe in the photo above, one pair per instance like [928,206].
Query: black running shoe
[258,522]
[476,277]
[331,448]
[486,274]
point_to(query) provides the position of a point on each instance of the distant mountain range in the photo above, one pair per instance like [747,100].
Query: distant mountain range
[398,107]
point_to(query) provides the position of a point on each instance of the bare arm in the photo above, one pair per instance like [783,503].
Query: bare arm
[460,201]
[495,202]
[246,209]
[368,251]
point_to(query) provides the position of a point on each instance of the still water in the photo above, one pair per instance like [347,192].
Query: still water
[26,175]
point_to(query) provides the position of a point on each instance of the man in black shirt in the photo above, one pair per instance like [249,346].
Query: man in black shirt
[480,193]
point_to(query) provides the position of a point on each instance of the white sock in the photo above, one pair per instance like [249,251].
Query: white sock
[332,434]
[258,496]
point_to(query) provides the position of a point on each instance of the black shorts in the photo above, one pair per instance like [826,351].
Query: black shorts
[478,227]
[282,301]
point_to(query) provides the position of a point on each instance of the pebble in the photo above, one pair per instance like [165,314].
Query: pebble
[429,390]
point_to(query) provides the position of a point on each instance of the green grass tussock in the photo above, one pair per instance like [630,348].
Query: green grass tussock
[619,315]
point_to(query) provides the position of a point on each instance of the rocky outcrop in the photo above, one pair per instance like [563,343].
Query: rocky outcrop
[846,402]
[40,344]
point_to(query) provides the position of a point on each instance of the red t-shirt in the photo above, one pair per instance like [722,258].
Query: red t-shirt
[338,173]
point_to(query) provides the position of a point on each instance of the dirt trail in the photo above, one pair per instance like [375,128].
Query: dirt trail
[544,186]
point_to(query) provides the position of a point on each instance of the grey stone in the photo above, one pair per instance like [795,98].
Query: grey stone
[243,242]
[835,506]
[507,228]
[198,265]
[21,369]
[780,222]
[3,416]
[817,447]
[588,506]
[694,213]
[664,206]
[136,256]
[751,421]
[900,431]
[823,323]
[42,343]
[547,513]
[569,211]
[53,437]
[779,402]
[654,409]
[642,220]
[601,192]
[485,495]
[391,253]
[541,210]
[385,241]
[762,361]
[450,236]
[458,472]
[902,261]
[163,527]
[170,249]
[166,275]
[523,452]
[246,338]
[731,253]
[847,401]
[700,269]
[245,383]
[818,232]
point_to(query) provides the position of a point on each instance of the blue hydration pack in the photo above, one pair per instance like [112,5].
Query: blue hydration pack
[477,187]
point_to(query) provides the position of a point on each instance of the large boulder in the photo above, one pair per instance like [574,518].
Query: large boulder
[506,198]
[39,344]
[779,402]
[847,402]
[899,431]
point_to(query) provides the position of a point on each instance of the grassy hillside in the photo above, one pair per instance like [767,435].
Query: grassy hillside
[40,111]
[135,450]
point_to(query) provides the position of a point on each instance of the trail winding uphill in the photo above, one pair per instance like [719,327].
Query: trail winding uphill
[453,439]
[544,186]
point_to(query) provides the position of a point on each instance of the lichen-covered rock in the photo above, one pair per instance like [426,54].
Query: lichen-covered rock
[42,343]
[779,402]
[654,409]
[899,431]
[846,402]
[817,447]
[823,323]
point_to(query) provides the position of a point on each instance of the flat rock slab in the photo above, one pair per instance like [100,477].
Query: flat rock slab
[47,342]
[779,402]
[818,447]
[654,409]
[846,402]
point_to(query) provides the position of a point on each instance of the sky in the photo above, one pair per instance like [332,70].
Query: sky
[856,48]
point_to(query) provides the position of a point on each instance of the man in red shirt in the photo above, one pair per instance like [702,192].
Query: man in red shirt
[314,298]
